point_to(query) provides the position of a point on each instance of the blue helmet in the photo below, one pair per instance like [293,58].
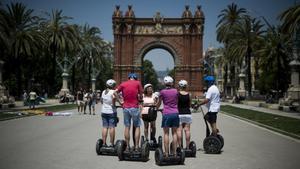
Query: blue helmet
[210,80]
[132,75]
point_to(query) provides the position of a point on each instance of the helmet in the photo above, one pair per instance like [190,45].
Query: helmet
[132,75]
[182,83]
[168,79]
[147,85]
[111,83]
[209,80]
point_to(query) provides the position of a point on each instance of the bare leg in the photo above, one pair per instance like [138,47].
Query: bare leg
[104,134]
[179,135]
[166,140]
[112,135]
[137,137]
[127,135]
[146,126]
[187,129]
[175,141]
[214,128]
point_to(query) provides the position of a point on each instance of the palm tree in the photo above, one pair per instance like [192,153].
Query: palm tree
[274,59]
[93,48]
[229,18]
[248,33]
[291,19]
[60,38]
[23,36]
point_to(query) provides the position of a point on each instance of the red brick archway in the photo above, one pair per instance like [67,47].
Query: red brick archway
[181,37]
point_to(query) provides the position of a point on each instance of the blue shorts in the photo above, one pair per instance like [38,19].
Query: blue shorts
[109,120]
[170,120]
[133,113]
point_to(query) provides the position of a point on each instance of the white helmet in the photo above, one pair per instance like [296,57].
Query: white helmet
[111,83]
[182,83]
[168,79]
[147,85]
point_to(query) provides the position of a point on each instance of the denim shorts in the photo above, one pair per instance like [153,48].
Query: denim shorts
[133,113]
[109,120]
[170,120]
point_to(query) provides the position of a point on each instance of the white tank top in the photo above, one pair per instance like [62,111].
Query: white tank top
[107,106]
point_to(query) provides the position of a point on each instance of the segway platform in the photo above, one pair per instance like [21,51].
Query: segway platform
[172,159]
[153,145]
[142,154]
[106,150]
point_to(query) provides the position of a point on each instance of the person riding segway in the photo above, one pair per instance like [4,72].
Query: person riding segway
[214,142]
[170,120]
[109,120]
[149,115]
[185,119]
[132,95]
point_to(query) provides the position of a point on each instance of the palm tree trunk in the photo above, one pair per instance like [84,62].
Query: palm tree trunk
[19,77]
[53,72]
[249,51]
[225,80]
[73,78]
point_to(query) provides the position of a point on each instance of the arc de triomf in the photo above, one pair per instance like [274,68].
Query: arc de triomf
[181,37]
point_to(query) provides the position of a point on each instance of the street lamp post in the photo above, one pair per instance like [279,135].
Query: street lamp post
[95,72]
[65,66]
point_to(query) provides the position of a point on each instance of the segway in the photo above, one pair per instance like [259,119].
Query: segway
[212,144]
[153,144]
[191,151]
[151,116]
[173,159]
[142,154]
[106,150]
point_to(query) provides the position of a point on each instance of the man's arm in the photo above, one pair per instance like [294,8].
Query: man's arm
[204,101]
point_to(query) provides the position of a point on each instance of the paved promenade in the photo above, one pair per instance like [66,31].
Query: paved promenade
[69,143]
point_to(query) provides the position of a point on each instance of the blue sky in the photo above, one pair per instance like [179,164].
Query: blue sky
[98,13]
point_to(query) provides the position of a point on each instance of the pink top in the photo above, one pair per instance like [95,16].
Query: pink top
[170,100]
[147,100]
[130,90]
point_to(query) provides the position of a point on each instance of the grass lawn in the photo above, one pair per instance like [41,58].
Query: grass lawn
[284,125]
[23,113]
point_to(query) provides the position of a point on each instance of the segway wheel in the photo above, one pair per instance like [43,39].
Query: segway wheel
[145,151]
[192,146]
[116,145]
[142,140]
[180,152]
[212,145]
[121,146]
[98,146]
[220,137]
[159,156]
[160,142]
[171,148]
